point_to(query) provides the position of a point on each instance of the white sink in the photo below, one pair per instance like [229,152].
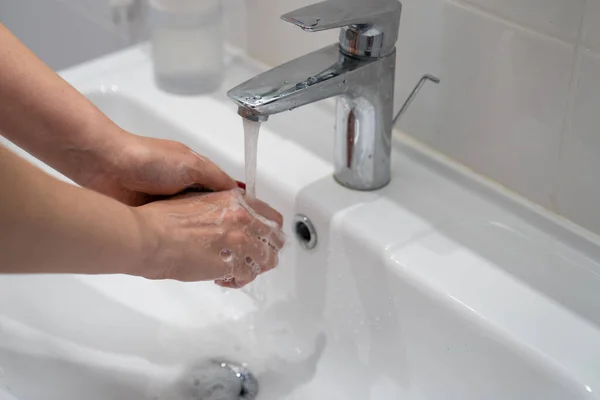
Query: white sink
[432,288]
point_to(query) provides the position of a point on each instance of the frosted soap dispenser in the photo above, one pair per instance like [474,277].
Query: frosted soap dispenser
[187,45]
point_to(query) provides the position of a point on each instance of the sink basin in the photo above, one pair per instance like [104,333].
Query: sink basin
[432,288]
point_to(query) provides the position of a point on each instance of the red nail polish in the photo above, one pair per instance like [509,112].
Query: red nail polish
[241,185]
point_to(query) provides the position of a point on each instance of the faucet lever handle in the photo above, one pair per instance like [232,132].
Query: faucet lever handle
[369,27]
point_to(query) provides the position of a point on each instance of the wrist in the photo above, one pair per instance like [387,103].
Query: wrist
[148,244]
[97,154]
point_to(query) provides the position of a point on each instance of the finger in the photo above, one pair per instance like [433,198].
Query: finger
[274,262]
[269,234]
[232,284]
[264,210]
[274,240]
[260,257]
[229,284]
[241,265]
[186,199]
[206,174]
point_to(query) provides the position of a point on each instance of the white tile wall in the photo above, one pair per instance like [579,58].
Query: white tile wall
[591,25]
[274,41]
[558,18]
[504,99]
[519,99]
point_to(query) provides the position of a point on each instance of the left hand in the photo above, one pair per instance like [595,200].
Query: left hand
[134,169]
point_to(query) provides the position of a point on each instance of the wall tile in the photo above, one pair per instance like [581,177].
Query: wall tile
[235,22]
[578,189]
[274,41]
[591,25]
[558,18]
[503,101]
[419,52]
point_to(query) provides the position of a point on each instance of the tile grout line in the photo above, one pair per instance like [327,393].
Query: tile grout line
[569,107]
[507,20]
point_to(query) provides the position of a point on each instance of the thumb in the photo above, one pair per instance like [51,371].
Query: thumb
[208,175]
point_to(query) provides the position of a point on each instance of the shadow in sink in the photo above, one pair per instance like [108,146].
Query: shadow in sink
[50,378]
[64,307]
[134,117]
[112,349]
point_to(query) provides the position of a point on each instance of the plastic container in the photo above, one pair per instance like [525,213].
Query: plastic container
[187,45]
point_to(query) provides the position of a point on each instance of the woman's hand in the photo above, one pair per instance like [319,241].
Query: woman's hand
[133,169]
[217,236]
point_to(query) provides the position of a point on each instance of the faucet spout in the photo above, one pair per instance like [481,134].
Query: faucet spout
[313,77]
[364,89]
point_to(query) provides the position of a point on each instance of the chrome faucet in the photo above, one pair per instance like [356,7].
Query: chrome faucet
[360,70]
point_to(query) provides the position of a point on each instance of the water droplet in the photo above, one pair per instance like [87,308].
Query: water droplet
[257,97]
[301,85]
[312,80]
[345,81]
[227,255]
[286,82]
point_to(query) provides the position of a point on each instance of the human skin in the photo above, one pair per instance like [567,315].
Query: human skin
[111,222]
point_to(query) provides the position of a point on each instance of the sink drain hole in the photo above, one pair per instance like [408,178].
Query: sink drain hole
[305,232]
[215,380]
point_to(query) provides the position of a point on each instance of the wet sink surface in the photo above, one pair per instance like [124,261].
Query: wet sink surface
[427,289]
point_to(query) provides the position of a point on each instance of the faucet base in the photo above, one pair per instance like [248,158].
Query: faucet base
[363,126]
[351,186]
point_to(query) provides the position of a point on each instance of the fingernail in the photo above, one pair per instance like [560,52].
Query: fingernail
[241,185]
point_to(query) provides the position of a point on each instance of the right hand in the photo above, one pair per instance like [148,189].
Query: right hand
[218,236]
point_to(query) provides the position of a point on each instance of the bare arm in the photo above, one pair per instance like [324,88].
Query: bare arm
[50,226]
[47,225]
[45,116]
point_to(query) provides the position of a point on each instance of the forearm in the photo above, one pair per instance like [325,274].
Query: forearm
[48,226]
[44,115]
